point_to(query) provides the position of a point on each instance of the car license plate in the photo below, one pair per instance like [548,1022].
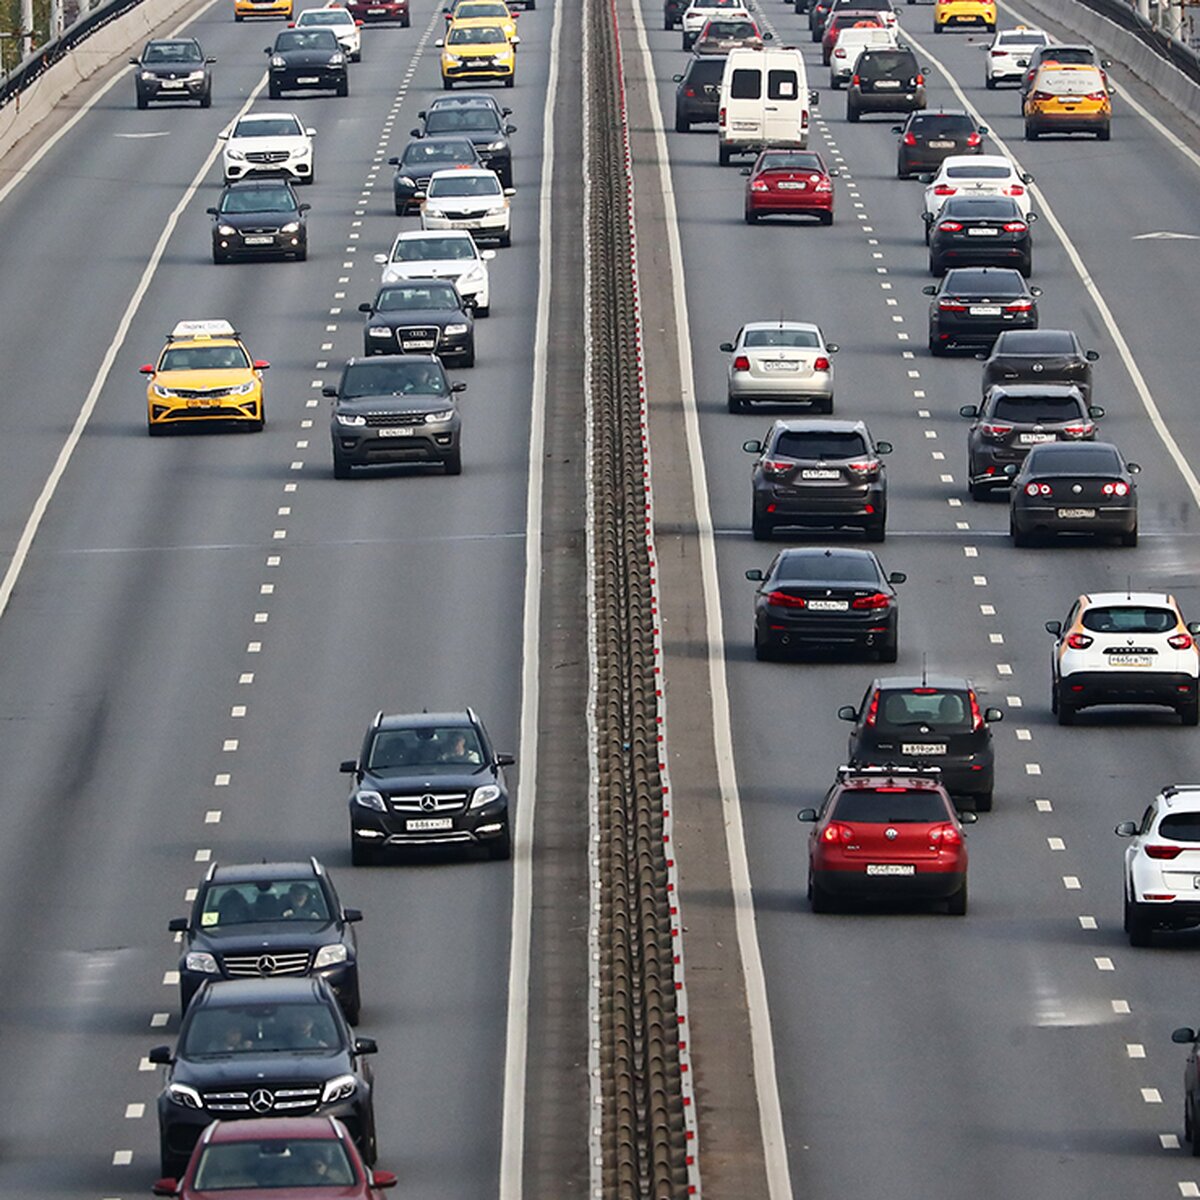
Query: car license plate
[891,869]
[255,239]
[426,824]
[982,231]
[463,224]
[829,605]
[402,431]
[984,310]
[819,473]
[172,83]
[376,12]
[422,344]
[1034,439]
[791,185]
[922,747]
[1130,660]
[941,145]
[885,84]
[746,126]
[308,78]
[1076,514]
[780,364]
[199,404]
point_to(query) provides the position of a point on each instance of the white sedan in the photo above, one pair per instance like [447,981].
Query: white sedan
[1010,52]
[345,28]
[974,175]
[780,362]
[269,142]
[696,15]
[471,199]
[449,254]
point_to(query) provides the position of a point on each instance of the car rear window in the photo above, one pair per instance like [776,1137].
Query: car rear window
[902,807]
[1068,54]
[887,64]
[746,84]
[940,124]
[983,283]
[782,84]
[828,568]
[803,339]
[1022,37]
[1036,409]
[1074,460]
[947,709]
[791,160]
[999,207]
[820,444]
[706,70]
[1129,618]
[967,171]
[1035,341]
[1181,827]
[1070,82]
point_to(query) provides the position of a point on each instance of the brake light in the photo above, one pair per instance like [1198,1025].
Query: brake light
[924,691]
[1099,97]
[760,185]
[878,600]
[784,600]
[1039,96]
[1118,488]
[872,711]
[1015,227]
[951,306]
[839,53]
[909,139]
[1019,306]
[976,715]
[951,226]
[1015,190]
[741,363]
[777,466]
[1038,489]
[689,92]
[999,53]
[721,116]
[855,81]
[1163,851]
[997,431]
[821,364]
[920,80]
[1180,641]
[945,835]
[836,832]
[973,139]
[865,467]
[823,186]
[944,189]
[1079,641]
[1079,431]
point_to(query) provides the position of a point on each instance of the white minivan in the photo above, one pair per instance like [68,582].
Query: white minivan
[765,101]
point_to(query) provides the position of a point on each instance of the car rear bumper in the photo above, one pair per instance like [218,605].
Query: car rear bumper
[1168,914]
[1067,122]
[801,202]
[1128,687]
[994,253]
[1041,518]
[872,101]
[863,630]
[924,885]
[982,331]
[373,13]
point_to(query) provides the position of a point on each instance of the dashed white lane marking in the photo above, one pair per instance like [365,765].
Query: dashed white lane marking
[266,589]
[954,502]
[1033,768]
[1056,843]
[1170,1141]
[1086,922]
[170,979]
[244,678]
[229,745]
[202,855]
[1121,1007]
[979,580]
[996,639]
[1104,963]
[1043,806]
[938,455]
[212,817]
[1135,1049]
[144,1064]
[134,1112]
[971,551]
[1013,702]
[122,1158]
[946,478]
[260,618]
[1024,735]
[159,1019]
[1188,1187]
[221,780]
[1151,1095]
[1003,669]
[1071,883]
[987,610]
[189,894]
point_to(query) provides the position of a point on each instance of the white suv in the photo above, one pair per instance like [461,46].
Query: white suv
[345,28]
[1162,864]
[271,143]
[698,12]
[1009,54]
[1125,648]
[441,254]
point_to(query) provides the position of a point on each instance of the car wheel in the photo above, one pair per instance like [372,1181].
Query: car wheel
[826,218]
[171,1164]
[257,426]
[682,123]
[889,651]
[1019,536]
[818,899]
[956,906]
[206,99]
[751,217]
[835,82]
[341,469]
[977,491]
[220,258]
[723,155]
[238,18]
[1130,538]
[453,463]
[406,22]
[851,113]
[505,240]
[142,102]
[483,310]
[356,57]
[1026,267]
[817,35]
[155,430]
[302,254]
[500,849]
[733,404]
[1189,1121]
[343,88]
[989,83]
[761,528]
[935,266]
[510,81]
[876,531]
[1136,926]
[401,209]
[274,91]
[1031,134]
[668,24]
[937,28]
[352,1006]
[901,173]
[1104,133]
[936,346]
[1065,712]
[764,650]
[468,359]
[983,802]
[928,226]
[1189,712]
[1054,695]
[686,41]
[362,855]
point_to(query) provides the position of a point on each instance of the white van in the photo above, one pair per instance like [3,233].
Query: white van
[765,101]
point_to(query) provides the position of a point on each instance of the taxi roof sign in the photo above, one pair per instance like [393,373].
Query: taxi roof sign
[203,329]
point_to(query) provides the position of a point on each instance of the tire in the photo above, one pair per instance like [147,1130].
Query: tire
[468,359]
[1019,537]
[452,464]
[401,209]
[370,1146]
[1189,713]
[274,91]
[937,28]
[447,84]
[935,267]
[343,88]
[817,35]
[1189,1122]
[668,24]
[257,426]
[989,83]
[171,1164]
[901,173]
[1130,538]
[353,1005]
[835,83]
[1031,134]
[876,531]
[734,405]
[406,22]
[764,651]
[238,18]
[818,899]
[826,218]
[977,491]
[983,802]
[723,156]
[142,102]
[510,81]
[1103,134]
[1136,926]
[889,652]
[341,468]
[824,406]
[219,259]
[356,57]
[760,528]
[360,855]
[206,99]
[1053,696]
[852,114]
[484,310]
[682,124]
[956,906]
[751,218]
[928,227]
[156,430]
[302,254]
[500,849]
[505,240]
[936,348]
[1065,712]
[686,41]
[1026,267]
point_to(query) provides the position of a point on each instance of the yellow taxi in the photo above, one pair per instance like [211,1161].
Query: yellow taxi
[204,375]
[964,12]
[476,50]
[1068,98]
[262,8]
[485,10]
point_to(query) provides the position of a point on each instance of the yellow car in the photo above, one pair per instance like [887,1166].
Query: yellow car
[477,50]
[204,375]
[1068,98]
[485,10]
[964,12]
[262,8]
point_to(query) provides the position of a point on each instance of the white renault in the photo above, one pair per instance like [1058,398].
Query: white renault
[1009,53]
[468,198]
[346,29]
[271,143]
[441,254]
[698,12]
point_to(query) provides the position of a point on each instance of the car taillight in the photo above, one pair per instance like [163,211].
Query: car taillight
[1163,851]
[920,80]
[1038,489]
[776,466]
[1079,431]
[945,835]
[999,53]
[1116,488]
[973,139]
[1015,190]
[741,363]
[689,92]
[823,186]
[872,711]
[1180,641]
[835,832]
[1039,96]
[951,226]
[759,185]
[944,189]
[821,364]
[1015,227]
[855,81]
[1019,306]
[1079,641]
[1099,97]
[839,53]
[864,466]
[976,715]
[951,306]
[721,116]
[909,138]
[878,600]
[991,429]
[783,600]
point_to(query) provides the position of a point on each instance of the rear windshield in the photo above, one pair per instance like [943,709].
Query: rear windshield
[887,64]
[791,160]
[1181,827]
[1037,341]
[1036,409]
[1068,54]
[730,29]
[820,444]
[828,568]
[1068,83]
[903,807]
[941,123]
[999,207]
[745,84]
[803,339]
[970,171]
[1022,37]
[980,283]
[863,5]
[1074,460]
[1129,618]
[949,710]
[782,85]
[706,70]
[433,249]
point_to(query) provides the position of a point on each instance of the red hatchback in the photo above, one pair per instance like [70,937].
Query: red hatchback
[887,833]
[790,182]
[268,1157]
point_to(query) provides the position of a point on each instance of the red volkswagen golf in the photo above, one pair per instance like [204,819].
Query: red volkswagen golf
[887,833]
[789,181]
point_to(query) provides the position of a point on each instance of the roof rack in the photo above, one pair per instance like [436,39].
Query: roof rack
[202,329]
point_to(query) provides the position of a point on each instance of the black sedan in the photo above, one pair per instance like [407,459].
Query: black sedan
[1015,418]
[307,58]
[931,135]
[983,231]
[259,217]
[1083,488]
[824,473]
[421,316]
[423,156]
[698,93]
[973,305]
[826,599]
[482,126]
[173,69]
[1039,356]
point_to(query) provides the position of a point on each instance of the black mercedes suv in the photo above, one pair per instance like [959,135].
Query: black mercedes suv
[428,779]
[256,920]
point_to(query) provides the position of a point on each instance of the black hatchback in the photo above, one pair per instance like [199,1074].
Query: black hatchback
[928,720]
[982,231]
[698,92]
[826,599]
[885,79]
[928,137]
[256,217]
[973,305]
[304,59]
[1039,356]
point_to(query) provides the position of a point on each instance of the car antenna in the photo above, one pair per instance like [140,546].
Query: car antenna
[1128,587]
[924,668]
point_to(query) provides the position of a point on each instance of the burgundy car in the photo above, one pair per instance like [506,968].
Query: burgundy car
[791,182]
[371,12]
[846,18]
[277,1156]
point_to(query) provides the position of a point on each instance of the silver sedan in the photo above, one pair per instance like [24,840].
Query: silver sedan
[780,362]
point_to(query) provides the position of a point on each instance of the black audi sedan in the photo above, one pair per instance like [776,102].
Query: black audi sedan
[172,69]
[835,598]
[423,156]
[819,473]
[1039,356]
[481,125]
[931,135]
[256,217]
[981,231]
[422,316]
[304,59]
[1085,488]
[267,919]
[973,305]
[262,1048]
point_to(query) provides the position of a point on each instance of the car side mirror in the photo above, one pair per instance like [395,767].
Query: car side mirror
[754,575]
[1092,355]
[304,208]
[752,447]
[266,49]
[211,59]
[418,195]
[744,171]
[349,766]
[510,129]
[814,98]
[897,577]
[212,212]
[1095,411]
[146,369]
[967,818]
[984,130]
[510,191]
[440,43]
[160,1056]
[847,713]
[380,258]
[1133,468]
[1184,1036]
[924,178]
[835,174]
[1031,218]
[726,347]
[969,410]
[393,162]
[883,447]
[383,1179]
[351,915]
[1026,177]
[1035,291]
[897,128]
[516,41]
[981,356]
[1010,469]
[831,347]
[224,137]
[506,112]
[992,715]
[1054,627]
[261,364]
[1126,829]
[487,255]
[135,62]
[178,925]
[505,760]
[367,308]
[167,1186]
[1193,627]
[929,290]
[458,387]
[1106,63]
[365,1046]
[807,814]
[768,36]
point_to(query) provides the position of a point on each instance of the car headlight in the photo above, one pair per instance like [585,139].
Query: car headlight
[277,60]
[452,330]
[196,75]
[485,795]
[364,797]
[243,389]
[236,155]
[184,1096]
[376,331]
[163,393]
[406,181]
[493,146]
[451,60]
[327,956]
[431,210]
[474,275]
[226,230]
[290,227]
[496,209]
[202,961]
[437,418]
[336,60]
[340,1087]
[149,76]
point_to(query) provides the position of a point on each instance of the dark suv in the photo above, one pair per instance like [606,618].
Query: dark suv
[395,408]
[423,156]
[1039,356]
[255,920]
[932,720]
[673,13]
[885,80]
[428,779]
[823,473]
[1015,418]
[261,1048]
[928,137]
[481,125]
[698,94]
[173,69]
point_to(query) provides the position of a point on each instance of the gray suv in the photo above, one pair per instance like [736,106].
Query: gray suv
[394,409]
[698,94]
[885,80]
[173,69]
